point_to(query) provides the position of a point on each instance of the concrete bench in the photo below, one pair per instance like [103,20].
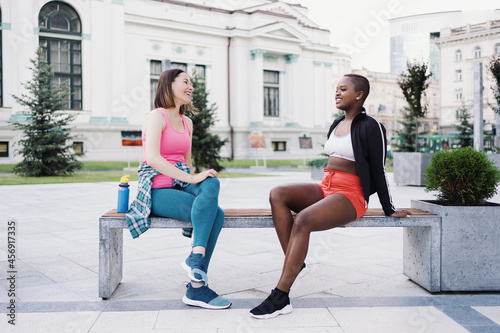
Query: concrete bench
[423,268]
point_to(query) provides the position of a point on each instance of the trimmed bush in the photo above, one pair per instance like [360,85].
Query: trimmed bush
[463,177]
[320,163]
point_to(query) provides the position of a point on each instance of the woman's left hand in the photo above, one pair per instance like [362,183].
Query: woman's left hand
[401,213]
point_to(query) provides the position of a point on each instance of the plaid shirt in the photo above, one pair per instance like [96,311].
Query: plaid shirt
[138,214]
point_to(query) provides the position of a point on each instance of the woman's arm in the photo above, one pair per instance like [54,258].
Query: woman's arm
[188,157]
[376,155]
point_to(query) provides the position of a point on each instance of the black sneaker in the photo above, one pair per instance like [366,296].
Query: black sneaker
[275,304]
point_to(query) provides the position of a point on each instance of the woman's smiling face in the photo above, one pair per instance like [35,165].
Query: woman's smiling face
[346,94]
[182,89]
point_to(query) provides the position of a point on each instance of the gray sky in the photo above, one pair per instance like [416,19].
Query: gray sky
[347,21]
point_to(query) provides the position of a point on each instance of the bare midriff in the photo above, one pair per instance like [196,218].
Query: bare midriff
[341,164]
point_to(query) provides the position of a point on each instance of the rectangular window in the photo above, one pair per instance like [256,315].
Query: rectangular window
[154,72]
[458,75]
[65,56]
[271,94]
[458,94]
[278,145]
[78,148]
[4,149]
[198,69]
[178,65]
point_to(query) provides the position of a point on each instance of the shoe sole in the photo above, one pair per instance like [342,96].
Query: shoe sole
[188,270]
[201,304]
[286,310]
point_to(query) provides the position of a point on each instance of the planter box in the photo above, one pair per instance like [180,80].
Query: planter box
[470,250]
[408,168]
[317,172]
[495,158]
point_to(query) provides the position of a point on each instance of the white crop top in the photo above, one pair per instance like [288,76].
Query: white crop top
[340,146]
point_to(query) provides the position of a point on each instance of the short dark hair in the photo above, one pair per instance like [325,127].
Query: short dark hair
[164,97]
[360,84]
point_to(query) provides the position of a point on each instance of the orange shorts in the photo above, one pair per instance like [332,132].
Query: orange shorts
[348,185]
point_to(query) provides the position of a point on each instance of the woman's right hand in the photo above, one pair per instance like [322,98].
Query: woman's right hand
[198,178]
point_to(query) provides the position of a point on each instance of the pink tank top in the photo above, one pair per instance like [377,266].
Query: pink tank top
[173,147]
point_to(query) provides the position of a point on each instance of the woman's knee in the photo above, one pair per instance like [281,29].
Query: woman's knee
[277,194]
[302,223]
[211,184]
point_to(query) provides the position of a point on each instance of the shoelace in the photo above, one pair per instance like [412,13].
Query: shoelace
[198,262]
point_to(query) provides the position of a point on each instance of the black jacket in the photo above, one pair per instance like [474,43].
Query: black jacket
[369,144]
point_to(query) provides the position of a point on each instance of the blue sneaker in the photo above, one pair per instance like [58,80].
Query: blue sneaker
[195,267]
[204,297]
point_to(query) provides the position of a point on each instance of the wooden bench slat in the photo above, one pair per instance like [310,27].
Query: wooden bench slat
[264,212]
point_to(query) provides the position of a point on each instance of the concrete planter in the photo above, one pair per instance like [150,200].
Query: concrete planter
[408,168]
[317,172]
[495,158]
[470,251]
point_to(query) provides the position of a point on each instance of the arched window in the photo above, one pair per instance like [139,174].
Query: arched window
[497,49]
[458,55]
[477,52]
[61,42]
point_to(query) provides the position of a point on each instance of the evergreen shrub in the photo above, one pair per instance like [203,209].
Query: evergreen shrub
[463,177]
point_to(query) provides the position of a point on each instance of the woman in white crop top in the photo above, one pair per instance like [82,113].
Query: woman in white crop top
[355,170]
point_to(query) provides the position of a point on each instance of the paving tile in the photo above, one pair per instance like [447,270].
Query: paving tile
[492,312]
[240,320]
[126,321]
[59,269]
[397,320]
[77,322]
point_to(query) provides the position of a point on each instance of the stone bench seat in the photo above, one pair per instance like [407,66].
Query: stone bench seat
[111,227]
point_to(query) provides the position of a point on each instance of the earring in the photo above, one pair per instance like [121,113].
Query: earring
[357,98]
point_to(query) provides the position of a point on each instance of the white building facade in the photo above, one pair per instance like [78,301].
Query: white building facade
[413,37]
[460,48]
[267,67]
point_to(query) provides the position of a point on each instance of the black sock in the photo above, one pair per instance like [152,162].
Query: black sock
[280,293]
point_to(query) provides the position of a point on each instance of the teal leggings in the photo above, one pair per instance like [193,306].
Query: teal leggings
[195,203]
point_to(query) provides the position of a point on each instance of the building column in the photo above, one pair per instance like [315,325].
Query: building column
[478,106]
[292,115]
[257,88]
[328,94]
[119,112]
[318,94]
[283,101]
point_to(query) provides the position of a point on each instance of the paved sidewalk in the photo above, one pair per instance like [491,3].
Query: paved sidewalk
[355,283]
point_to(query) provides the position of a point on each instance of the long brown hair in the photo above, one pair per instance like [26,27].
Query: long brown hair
[164,95]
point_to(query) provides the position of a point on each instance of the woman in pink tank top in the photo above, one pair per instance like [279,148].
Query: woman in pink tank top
[167,137]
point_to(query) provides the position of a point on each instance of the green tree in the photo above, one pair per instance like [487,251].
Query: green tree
[407,135]
[45,146]
[465,127]
[413,84]
[206,146]
[494,67]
